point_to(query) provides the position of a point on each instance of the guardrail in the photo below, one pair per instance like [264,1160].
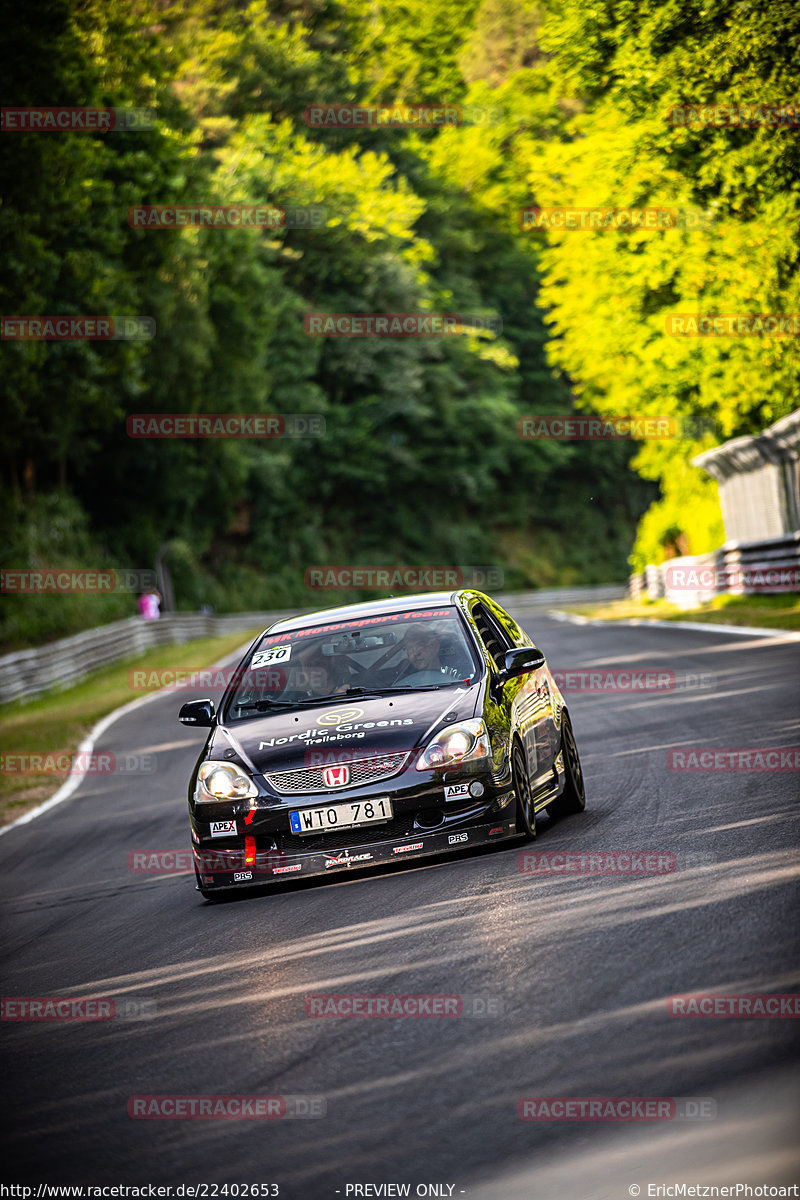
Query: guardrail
[28,673]
[768,567]
[524,602]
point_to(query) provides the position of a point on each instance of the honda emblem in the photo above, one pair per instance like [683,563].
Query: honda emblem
[336,776]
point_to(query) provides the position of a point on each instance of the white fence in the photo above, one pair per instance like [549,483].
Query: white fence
[29,673]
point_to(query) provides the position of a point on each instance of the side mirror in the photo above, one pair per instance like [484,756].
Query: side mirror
[522,660]
[198,712]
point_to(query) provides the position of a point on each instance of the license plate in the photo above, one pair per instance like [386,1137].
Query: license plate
[341,816]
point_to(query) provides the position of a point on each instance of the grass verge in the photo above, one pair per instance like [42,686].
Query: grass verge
[765,612]
[56,724]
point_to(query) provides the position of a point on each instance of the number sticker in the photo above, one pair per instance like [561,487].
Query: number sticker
[275,654]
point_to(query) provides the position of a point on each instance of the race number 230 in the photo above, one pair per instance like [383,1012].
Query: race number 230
[275,654]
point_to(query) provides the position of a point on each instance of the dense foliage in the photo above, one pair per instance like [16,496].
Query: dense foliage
[421,461]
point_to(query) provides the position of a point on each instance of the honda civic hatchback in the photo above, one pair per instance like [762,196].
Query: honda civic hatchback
[376,733]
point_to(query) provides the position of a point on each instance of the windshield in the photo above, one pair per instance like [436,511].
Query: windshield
[402,651]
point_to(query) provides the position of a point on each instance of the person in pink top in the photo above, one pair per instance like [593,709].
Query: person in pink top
[150,605]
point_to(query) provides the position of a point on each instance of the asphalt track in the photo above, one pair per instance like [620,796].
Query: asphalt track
[578,969]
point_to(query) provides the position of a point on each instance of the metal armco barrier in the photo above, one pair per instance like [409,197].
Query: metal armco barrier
[768,567]
[28,673]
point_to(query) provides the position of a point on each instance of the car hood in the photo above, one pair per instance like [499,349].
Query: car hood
[341,729]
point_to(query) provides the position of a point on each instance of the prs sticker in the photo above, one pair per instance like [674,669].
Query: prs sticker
[223,828]
[241,876]
[275,654]
[456,791]
[457,837]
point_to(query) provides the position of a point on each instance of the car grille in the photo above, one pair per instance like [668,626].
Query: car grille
[362,770]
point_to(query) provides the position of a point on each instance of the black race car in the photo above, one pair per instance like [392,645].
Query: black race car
[377,733]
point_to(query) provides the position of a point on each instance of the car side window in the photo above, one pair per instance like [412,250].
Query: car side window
[510,627]
[494,638]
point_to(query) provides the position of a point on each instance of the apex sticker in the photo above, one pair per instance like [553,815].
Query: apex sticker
[223,828]
[456,791]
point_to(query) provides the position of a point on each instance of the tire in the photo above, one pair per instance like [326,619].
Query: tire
[526,821]
[573,798]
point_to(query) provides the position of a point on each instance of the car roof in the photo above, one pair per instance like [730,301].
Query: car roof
[373,608]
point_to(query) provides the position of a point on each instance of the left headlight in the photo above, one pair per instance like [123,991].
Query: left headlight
[222,781]
[464,742]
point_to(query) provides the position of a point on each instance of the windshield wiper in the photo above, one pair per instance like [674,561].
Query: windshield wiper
[263,705]
[364,691]
[421,687]
[351,691]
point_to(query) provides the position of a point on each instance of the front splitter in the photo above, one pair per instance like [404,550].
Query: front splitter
[332,862]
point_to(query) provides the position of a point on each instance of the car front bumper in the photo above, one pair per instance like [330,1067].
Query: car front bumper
[251,860]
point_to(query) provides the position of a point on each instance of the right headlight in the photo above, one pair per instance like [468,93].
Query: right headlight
[222,781]
[463,742]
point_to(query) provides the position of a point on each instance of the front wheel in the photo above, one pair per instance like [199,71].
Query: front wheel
[526,821]
[573,798]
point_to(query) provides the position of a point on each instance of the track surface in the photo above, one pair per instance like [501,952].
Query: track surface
[582,968]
